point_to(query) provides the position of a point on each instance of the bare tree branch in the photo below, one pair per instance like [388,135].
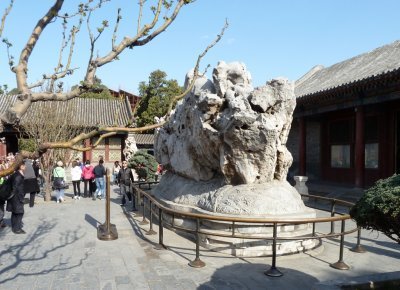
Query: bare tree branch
[196,68]
[141,3]
[67,70]
[143,36]
[3,19]
[82,8]
[136,40]
[93,38]
[114,37]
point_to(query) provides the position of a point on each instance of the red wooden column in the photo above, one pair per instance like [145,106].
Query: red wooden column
[359,153]
[87,154]
[107,149]
[3,149]
[302,146]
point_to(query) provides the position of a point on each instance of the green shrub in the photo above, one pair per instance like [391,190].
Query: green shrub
[27,145]
[379,208]
[144,164]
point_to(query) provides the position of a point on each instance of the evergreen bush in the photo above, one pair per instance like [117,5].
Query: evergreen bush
[144,164]
[379,208]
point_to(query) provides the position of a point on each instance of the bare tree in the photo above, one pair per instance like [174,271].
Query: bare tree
[57,127]
[144,34]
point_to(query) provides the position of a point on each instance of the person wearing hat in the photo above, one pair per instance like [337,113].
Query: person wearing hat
[59,181]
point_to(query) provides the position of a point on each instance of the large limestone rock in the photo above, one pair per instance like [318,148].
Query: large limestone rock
[225,146]
[130,146]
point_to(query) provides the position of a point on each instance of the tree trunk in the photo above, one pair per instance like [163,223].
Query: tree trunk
[47,186]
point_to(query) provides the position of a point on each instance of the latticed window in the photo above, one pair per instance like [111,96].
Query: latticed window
[114,153]
[341,139]
[371,143]
[100,150]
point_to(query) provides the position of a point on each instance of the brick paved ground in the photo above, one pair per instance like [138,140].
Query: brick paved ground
[61,251]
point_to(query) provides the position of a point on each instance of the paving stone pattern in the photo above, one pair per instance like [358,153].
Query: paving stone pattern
[61,251]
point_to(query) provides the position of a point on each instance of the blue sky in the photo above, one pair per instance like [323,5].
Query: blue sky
[273,38]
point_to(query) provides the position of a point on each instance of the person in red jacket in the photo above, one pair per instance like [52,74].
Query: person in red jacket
[88,177]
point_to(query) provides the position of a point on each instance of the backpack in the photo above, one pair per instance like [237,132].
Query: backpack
[6,189]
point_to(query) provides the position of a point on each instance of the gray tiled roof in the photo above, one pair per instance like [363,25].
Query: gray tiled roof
[377,62]
[144,139]
[84,111]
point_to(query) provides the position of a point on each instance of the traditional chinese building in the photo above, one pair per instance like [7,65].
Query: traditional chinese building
[346,127]
[86,113]
[121,94]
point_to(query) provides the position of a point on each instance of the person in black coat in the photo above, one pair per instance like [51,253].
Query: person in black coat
[16,204]
[31,184]
[125,179]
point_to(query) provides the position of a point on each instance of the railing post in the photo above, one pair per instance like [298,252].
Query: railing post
[107,231]
[341,265]
[144,221]
[135,193]
[273,271]
[358,248]
[332,215]
[137,196]
[151,231]
[313,229]
[160,245]
[197,263]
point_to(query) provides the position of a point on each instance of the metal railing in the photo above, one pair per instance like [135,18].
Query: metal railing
[151,207]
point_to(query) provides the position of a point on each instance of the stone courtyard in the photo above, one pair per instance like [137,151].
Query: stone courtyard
[61,251]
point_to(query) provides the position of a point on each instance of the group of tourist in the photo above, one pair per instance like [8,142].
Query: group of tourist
[26,180]
[93,180]
[5,161]
[91,176]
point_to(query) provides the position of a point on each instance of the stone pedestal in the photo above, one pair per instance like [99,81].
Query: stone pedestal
[249,247]
[301,186]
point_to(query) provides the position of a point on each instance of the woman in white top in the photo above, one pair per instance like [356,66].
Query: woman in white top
[76,175]
[116,170]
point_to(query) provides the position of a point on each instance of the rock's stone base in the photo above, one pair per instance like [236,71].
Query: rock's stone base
[247,247]
[274,198]
[242,247]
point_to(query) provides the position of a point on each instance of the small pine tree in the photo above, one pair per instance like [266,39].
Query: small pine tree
[144,164]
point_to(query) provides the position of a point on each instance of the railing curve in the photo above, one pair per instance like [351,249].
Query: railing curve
[156,208]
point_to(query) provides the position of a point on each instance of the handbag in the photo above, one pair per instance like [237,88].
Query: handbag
[59,183]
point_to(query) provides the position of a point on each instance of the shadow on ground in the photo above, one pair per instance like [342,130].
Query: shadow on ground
[33,250]
[251,276]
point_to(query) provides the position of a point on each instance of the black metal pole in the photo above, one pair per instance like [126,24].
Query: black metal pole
[341,265]
[332,215]
[107,231]
[160,245]
[273,271]
[144,222]
[137,205]
[313,229]
[197,263]
[151,231]
[358,248]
